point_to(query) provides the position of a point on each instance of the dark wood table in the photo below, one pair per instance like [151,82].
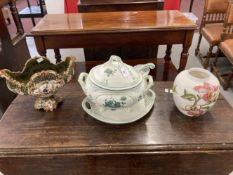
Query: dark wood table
[127,52]
[69,141]
[112,29]
[119,5]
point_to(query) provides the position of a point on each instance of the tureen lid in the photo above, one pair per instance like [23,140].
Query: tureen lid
[115,75]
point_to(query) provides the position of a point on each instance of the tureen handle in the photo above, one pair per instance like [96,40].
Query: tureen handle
[149,82]
[82,81]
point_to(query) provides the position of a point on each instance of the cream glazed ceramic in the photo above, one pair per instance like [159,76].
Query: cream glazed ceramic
[123,115]
[195,91]
[115,85]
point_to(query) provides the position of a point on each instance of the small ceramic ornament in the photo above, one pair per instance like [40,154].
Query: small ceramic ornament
[195,91]
[114,89]
[41,79]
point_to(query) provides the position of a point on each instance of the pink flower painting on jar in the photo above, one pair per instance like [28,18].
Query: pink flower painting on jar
[207,91]
[194,110]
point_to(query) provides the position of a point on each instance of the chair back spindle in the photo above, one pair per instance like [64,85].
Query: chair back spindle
[228,23]
[214,11]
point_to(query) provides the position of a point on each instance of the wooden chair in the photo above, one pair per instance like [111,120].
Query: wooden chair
[33,11]
[211,27]
[6,13]
[225,46]
[13,52]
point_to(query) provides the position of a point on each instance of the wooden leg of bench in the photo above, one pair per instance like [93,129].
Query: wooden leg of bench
[198,45]
[215,60]
[207,59]
[33,22]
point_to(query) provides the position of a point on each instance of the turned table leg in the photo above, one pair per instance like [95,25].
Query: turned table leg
[183,58]
[167,63]
[57,55]
[167,57]
[40,45]
[184,54]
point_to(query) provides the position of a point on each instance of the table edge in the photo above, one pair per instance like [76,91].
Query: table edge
[120,149]
[66,32]
[121,3]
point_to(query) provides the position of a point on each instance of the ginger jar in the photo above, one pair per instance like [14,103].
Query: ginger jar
[195,91]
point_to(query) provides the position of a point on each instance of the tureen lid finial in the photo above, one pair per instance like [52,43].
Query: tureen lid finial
[115,59]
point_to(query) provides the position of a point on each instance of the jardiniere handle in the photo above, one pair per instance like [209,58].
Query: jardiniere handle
[82,81]
[149,82]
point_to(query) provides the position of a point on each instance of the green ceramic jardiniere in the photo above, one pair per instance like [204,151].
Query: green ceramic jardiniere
[42,79]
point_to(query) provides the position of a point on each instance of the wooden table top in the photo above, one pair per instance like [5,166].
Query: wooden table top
[25,131]
[107,2]
[100,22]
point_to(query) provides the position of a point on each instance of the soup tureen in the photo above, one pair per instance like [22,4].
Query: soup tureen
[117,88]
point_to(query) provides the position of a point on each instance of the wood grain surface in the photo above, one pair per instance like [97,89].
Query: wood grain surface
[86,6]
[70,130]
[112,22]
[69,141]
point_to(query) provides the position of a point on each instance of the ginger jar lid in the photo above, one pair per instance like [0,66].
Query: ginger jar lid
[115,75]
